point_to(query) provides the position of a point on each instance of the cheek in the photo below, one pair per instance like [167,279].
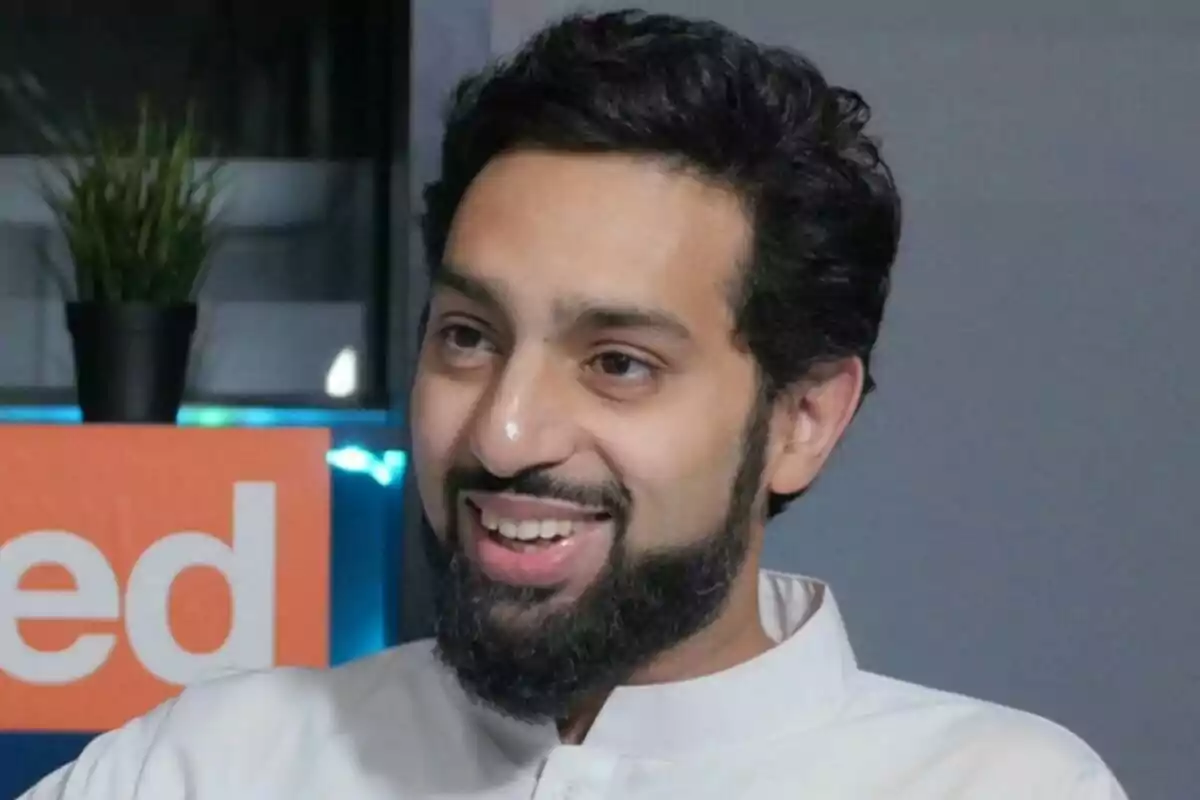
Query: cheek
[680,469]
[439,414]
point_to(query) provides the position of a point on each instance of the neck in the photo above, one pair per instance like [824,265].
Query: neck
[735,637]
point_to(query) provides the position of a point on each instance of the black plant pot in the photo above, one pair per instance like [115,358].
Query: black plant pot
[131,360]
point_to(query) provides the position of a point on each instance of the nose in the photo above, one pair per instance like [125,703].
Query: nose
[524,421]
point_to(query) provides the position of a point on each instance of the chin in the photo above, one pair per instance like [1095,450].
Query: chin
[533,605]
[519,619]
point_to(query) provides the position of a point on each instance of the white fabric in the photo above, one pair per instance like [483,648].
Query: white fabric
[801,721]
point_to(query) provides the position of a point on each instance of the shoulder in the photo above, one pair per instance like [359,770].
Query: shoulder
[318,697]
[250,704]
[230,726]
[982,743]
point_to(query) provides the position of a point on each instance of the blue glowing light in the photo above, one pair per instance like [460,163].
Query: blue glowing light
[386,468]
[214,416]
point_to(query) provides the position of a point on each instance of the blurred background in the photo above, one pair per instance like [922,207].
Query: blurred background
[1013,515]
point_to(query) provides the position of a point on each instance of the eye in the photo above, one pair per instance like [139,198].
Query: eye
[463,337]
[623,367]
[461,344]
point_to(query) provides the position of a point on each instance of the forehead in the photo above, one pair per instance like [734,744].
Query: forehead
[544,226]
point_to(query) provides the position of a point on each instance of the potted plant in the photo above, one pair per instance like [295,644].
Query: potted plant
[136,209]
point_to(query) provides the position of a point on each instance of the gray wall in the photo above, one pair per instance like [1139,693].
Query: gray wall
[1012,516]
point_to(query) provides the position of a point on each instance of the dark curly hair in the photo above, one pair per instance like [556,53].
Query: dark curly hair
[762,121]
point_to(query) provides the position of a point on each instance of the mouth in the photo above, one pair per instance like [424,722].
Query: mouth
[524,533]
[534,543]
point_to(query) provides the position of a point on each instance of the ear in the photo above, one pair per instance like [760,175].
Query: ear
[808,421]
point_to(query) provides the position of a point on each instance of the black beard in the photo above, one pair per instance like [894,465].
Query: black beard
[638,608]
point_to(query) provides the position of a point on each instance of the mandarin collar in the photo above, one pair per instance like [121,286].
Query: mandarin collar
[799,684]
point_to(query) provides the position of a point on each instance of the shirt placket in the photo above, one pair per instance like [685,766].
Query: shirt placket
[577,773]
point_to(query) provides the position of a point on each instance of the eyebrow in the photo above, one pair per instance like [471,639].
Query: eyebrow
[603,316]
[447,277]
[570,313]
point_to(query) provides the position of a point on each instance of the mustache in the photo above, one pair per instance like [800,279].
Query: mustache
[610,496]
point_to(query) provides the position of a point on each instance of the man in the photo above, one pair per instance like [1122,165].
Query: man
[659,257]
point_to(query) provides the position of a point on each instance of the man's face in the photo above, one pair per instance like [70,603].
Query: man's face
[589,438]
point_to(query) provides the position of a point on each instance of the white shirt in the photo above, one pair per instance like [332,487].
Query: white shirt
[800,721]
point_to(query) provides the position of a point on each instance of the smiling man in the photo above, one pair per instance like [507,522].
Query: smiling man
[593,443]
[659,257]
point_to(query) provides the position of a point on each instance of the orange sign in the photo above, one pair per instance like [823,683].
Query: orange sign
[136,560]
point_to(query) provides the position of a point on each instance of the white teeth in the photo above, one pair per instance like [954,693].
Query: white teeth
[528,530]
